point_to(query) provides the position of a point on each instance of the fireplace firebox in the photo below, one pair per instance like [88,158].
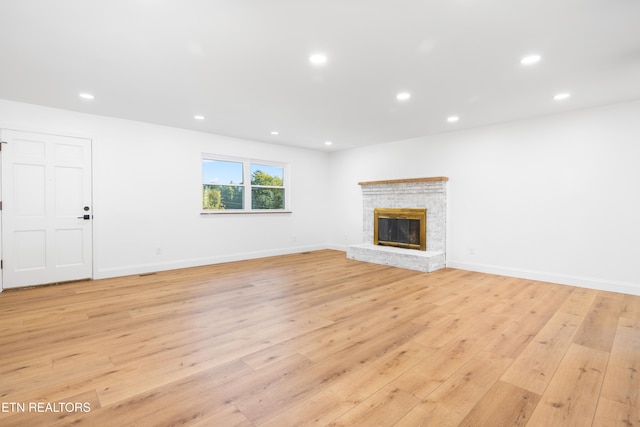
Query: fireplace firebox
[403,228]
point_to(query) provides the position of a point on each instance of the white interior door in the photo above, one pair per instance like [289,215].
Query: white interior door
[46,208]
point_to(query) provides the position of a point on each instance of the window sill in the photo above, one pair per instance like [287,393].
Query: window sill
[229,212]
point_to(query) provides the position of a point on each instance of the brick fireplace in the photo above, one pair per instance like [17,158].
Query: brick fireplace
[404,196]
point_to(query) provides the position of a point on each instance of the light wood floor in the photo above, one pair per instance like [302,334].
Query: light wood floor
[318,339]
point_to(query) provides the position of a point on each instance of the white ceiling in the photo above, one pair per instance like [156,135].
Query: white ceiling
[243,64]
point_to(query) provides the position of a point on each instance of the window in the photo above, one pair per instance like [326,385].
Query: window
[267,187]
[243,185]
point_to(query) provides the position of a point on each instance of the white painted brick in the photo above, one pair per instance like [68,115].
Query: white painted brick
[426,194]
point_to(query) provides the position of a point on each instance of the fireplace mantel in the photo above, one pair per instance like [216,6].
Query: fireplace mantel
[409,193]
[403,181]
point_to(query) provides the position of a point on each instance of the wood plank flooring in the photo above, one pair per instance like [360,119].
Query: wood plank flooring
[317,339]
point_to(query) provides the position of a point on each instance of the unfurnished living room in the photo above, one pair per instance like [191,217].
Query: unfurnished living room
[287,213]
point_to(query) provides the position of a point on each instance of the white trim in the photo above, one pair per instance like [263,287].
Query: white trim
[560,279]
[244,212]
[542,276]
[91,202]
[247,186]
[45,131]
[341,248]
[197,262]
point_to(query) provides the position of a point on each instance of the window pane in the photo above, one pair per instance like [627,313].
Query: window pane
[267,175]
[219,197]
[221,172]
[267,198]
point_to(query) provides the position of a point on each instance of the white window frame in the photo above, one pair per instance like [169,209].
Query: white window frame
[246,184]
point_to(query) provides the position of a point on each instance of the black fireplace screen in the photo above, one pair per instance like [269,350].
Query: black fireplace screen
[399,231]
[402,227]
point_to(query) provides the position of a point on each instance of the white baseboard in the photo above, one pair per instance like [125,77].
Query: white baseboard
[583,282]
[342,248]
[197,262]
[562,279]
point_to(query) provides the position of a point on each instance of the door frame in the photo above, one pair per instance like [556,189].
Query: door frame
[59,133]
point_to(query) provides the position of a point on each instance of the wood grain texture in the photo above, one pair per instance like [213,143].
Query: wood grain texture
[503,405]
[452,401]
[317,339]
[534,368]
[406,180]
[622,381]
[599,326]
[572,395]
[610,414]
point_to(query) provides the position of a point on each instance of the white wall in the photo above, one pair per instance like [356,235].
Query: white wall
[554,198]
[147,189]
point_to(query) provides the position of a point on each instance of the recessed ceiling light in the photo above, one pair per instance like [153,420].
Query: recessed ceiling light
[403,96]
[328,143]
[198,117]
[561,96]
[531,59]
[318,58]
[453,119]
[86,96]
[275,132]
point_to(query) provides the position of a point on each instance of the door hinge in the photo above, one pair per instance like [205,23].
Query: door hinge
[2,142]
[1,264]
